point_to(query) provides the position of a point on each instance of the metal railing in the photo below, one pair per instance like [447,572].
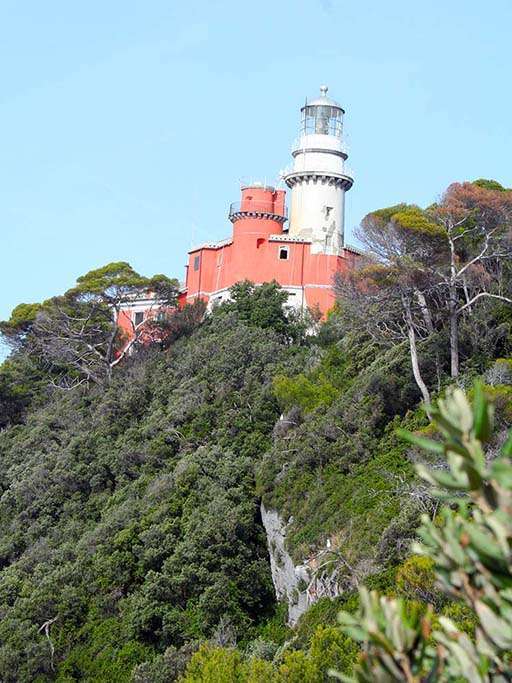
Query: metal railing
[248,207]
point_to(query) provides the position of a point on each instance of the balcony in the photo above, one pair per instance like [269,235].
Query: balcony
[346,172]
[255,209]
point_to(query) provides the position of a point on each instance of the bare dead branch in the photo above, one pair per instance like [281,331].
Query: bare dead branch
[46,628]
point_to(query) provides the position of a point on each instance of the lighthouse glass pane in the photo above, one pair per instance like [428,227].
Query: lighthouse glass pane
[336,124]
[322,120]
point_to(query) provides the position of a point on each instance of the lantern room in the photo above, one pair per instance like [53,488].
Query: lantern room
[322,116]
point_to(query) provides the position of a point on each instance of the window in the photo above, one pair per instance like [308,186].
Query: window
[196,262]
[283,253]
[260,242]
[139,317]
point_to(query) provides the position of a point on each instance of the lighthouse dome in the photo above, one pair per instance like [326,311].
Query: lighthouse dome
[323,100]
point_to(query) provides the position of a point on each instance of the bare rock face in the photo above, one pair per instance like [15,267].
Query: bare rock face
[325,574]
[290,581]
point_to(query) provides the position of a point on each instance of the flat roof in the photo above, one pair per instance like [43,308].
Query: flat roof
[211,245]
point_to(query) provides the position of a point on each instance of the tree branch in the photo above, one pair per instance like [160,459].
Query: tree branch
[482,294]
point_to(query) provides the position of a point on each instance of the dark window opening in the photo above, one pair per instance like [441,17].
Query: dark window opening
[283,253]
[196,262]
[139,317]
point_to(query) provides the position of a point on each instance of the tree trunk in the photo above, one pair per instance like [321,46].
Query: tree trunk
[452,312]
[427,317]
[454,338]
[422,302]
[414,351]
[415,365]
[466,293]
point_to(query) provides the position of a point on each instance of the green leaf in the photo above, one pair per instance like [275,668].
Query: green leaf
[421,441]
[506,449]
[485,544]
[443,479]
[482,414]
[498,630]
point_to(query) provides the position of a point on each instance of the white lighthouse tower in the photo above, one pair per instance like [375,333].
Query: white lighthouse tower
[319,180]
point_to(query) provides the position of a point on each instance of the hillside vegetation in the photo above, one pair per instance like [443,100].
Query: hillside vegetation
[131,541]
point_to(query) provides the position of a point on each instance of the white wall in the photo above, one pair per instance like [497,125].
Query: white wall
[317,210]
[317,214]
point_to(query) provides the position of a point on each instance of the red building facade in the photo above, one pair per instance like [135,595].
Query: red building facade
[261,250]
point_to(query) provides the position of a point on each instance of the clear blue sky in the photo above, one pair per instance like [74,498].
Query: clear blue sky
[126,126]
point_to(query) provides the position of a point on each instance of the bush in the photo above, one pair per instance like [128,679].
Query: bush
[416,579]
[217,664]
[303,392]
[500,372]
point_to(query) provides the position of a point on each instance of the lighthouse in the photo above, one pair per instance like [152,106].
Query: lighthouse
[318,179]
[303,258]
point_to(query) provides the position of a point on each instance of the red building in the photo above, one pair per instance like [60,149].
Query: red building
[133,318]
[304,256]
[261,250]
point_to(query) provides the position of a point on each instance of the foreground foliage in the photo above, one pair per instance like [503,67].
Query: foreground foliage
[470,546]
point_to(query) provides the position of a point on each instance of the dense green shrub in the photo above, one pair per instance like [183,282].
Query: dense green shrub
[329,648]
[303,392]
[129,513]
